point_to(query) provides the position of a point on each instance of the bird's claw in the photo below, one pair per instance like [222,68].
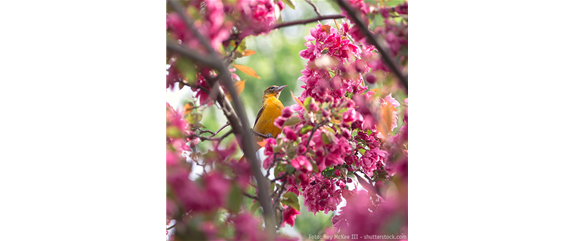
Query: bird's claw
[268,135]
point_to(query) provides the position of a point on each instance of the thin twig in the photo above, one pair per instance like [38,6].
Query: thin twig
[170,227]
[373,40]
[314,7]
[272,164]
[220,129]
[306,21]
[279,195]
[315,128]
[281,177]
[225,135]
[261,135]
[249,195]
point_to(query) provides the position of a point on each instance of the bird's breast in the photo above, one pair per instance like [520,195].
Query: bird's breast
[272,108]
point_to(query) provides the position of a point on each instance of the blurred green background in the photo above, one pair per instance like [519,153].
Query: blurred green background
[277,62]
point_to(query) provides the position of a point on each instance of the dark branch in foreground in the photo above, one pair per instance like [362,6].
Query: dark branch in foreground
[236,117]
[373,40]
[306,21]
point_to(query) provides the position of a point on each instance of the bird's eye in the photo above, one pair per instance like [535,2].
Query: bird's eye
[271,88]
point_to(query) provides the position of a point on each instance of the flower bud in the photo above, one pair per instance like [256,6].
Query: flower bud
[346,133]
[286,112]
[371,79]
[349,115]
[290,134]
[301,149]
[279,122]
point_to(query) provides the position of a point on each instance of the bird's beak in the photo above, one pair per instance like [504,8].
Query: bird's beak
[280,88]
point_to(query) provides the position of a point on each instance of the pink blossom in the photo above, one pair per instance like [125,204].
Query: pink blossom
[286,112]
[290,134]
[289,216]
[349,115]
[301,150]
[172,158]
[370,159]
[279,121]
[301,163]
[259,15]
[269,144]
[321,195]
[248,228]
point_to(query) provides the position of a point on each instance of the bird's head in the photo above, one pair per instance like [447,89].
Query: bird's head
[273,91]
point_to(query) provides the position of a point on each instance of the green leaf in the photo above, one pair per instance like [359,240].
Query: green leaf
[235,198]
[193,118]
[292,121]
[187,69]
[290,169]
[240,49]
[362,151]
[307,102]
[255,206]
[291,200]
[330,129]
[315,168]
[173,131]
[393,3]
[279,168]
[305,129]
[289,3]
[325,138]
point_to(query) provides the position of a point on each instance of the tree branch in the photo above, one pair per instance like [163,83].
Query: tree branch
[314,7]
[373,40]
[198,58]
[249,195]
[306,21]
[170,227]
[236,117]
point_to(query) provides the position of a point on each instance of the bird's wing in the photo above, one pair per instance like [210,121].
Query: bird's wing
[258,115]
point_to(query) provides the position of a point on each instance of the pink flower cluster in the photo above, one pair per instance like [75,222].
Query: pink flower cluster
[198,198]
[214,27]
[258,15]
[321,195]
[176,130]
[336,104]
[367,214]
[329,52]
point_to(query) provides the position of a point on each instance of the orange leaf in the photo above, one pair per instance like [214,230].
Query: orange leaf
[239,86]
[387,113]
[248,52]
[262,143]
[297,100]
[247,70]
[326,28]
[187,108]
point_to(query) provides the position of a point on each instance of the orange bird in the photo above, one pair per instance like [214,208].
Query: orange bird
[270,110]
